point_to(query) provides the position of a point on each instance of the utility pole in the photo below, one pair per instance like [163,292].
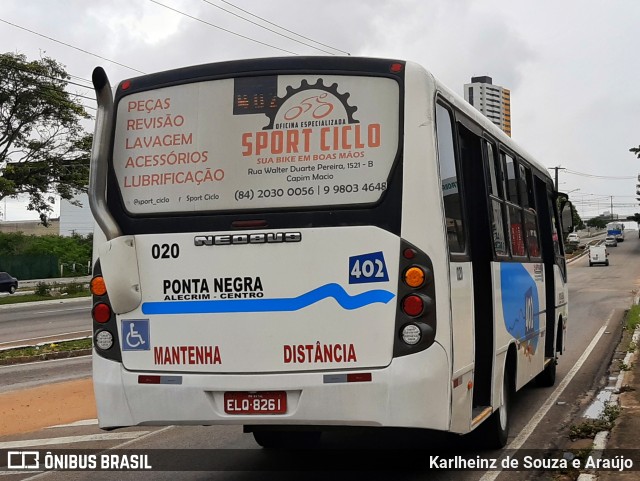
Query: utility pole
[557,169]
[611,207]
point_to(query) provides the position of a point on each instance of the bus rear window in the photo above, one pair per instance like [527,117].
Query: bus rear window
[269,142]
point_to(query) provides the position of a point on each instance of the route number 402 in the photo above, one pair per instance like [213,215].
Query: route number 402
[165,251]
[367,268]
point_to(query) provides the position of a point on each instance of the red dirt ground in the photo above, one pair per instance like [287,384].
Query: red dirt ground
[39,407]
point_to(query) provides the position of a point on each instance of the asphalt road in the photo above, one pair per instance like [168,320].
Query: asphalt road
[598,297]
[34,321]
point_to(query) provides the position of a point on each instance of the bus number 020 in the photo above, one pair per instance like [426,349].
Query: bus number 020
[165,251]
[368,268]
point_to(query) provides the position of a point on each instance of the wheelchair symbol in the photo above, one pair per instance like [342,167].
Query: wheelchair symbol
[133,334]
[136,335]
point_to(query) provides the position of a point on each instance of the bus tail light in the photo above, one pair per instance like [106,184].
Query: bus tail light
[416,306]
[97,286]
[413,305]
[414,277]
[101,312]
[104,340]
[411,334]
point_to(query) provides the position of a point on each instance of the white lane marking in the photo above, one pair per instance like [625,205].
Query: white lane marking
[83,422]
[30,443]
[148,435]
[49,361]
[33,340]
[63,310]
[521,438]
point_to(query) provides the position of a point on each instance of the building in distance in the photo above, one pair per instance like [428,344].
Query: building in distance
[493,101]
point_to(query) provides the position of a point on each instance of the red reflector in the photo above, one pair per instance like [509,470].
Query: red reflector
[148,379]
[101,312]
[413,305]
[396,67]
[126,84]
[409,253]
[359,377]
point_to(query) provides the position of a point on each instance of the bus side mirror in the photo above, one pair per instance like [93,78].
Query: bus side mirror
[566,214]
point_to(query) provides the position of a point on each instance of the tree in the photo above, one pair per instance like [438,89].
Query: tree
[635,217]
[44,150]
[598,222]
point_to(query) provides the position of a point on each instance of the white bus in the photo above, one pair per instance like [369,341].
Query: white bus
[616,229]
[290,244]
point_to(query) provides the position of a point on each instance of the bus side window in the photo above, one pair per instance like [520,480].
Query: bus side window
[511,175]
[531,228]
[449,178]
[495,189]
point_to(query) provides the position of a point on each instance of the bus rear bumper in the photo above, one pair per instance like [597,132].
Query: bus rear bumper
[413,391]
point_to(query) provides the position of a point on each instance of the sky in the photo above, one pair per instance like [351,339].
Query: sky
[571,66]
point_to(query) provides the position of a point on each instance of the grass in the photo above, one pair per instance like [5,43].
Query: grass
[633,318]
[48,348]
[36,297]
[591,427]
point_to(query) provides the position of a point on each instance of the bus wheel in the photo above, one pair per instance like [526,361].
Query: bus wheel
[287,439]
[494,432]
[547,377]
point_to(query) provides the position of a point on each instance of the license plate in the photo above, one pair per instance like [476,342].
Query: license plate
[264,402]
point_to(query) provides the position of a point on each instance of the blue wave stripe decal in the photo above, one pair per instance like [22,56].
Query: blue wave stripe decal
[270,305]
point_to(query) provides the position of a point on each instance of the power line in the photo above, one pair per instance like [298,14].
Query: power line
[278,26]
[593,176]
[16,67]
[271,30]
[221,28]
[70,46]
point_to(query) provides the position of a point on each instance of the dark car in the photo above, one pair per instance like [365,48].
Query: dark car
[8,283]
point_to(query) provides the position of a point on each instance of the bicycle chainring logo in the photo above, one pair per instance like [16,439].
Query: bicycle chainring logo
[135,335]
[312,105]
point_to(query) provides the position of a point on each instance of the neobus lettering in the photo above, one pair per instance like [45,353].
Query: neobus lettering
[267,238]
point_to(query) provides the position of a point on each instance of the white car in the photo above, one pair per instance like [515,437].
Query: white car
[573,237]
[611,241]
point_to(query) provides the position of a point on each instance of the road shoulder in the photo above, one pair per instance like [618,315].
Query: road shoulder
[35,408]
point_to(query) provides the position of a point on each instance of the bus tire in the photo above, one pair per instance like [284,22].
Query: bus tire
[494,432]
[287,439]
[547,377]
